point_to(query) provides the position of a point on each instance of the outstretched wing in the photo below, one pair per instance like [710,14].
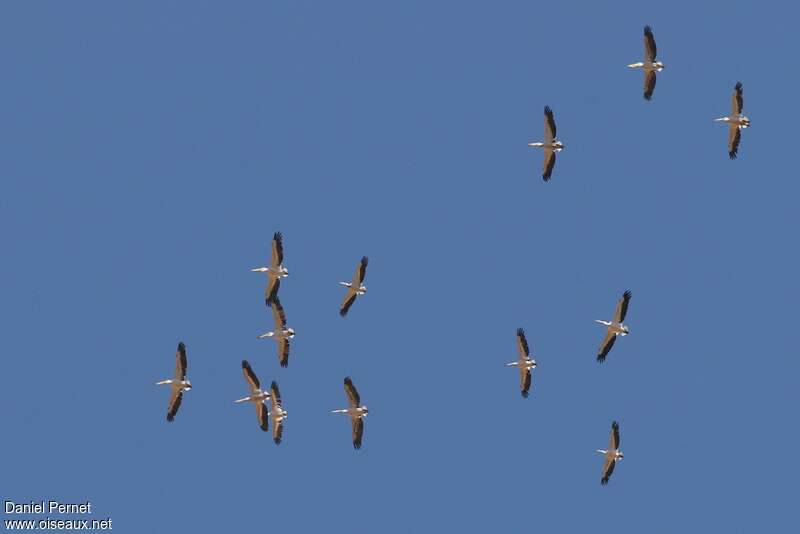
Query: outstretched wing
[283,352]
[263,416]
[277,250]
[358,431]
[738,100]
[174,403]
[608,468]
[734,137]
[278,315]
[271,291]
[275,395]
[549,126]
[525,381]
[349,299]
[522,344]
[650,49]
[277,431]
[361,272]
[180,362]
[605,346]
[649,84]
[250,376]
[613,438]
[622,307]
[352,393]
[548,164]
[277,426]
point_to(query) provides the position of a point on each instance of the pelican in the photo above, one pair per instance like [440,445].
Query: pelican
[551,145]
[615,327]
[257,396]
[179,383]
[736,121]
[354,288]
[650,66]
[356,411]
[277,414]
[525,363]
[281,334]
[275,271]
[613,454]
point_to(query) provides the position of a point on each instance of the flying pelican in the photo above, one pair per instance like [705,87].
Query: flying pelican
[354,288]
[525,363]
[356,411]
[613,454]
[179,383]
[615,327]
[275,271]
[551,144]
[281,334]
[257,396]
[736,121]
[278,414]
[650,66]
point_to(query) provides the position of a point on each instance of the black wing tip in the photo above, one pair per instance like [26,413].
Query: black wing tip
[603,481]
[343,312]
[648,97]
[546,177]
[265,428]
[364,260]
[738,86]
[278,236]
[245,364]
[525,394]
[274,385]
[520,331]
[614,425]
[601,358]
[648,30]
[181,346]
[285,363]
[347,381]
[170,417]
[277,441]
[548,110]
[732,154]
[357,445]
[627,294]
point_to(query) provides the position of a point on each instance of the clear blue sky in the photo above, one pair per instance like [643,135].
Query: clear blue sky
[148,151]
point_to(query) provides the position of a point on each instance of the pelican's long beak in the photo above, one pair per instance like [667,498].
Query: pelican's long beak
[721,119]
[242,400]
[163,382]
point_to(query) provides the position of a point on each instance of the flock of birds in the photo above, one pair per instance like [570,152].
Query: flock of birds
[282,334]
[650,66]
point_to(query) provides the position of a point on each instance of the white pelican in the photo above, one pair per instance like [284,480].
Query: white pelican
[356,411]
[615,327]
[525,363]
[736,121]
[354,288]
[551,144]
[613,454]
[179,383]
[277,414]
[281,334]
[650,66]
[276,269]
[257,396]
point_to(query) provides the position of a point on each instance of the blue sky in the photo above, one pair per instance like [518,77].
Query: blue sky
[150,149]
